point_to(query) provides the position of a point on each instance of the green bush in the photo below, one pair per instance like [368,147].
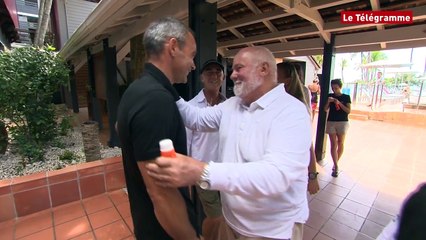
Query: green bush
[67,156]
[27,146]
[65,125]
[28,78]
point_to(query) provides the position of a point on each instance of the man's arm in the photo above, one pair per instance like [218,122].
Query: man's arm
[200,119]
[169,208]
[313,185]
[284,162]
[189,136]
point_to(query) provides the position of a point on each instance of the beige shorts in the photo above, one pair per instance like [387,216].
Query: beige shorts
[231,234]
[210,201]
[338,128]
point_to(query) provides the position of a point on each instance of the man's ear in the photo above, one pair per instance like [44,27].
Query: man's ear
[264,69]
[172,46]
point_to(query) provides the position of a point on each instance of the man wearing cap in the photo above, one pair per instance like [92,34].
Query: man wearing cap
[204,145]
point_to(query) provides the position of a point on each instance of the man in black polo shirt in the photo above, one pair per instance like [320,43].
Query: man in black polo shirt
[148,114]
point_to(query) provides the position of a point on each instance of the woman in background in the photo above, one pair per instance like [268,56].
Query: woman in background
[315,90]
[287,74]
[338,106]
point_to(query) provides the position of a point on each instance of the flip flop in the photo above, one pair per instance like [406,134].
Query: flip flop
[335,172]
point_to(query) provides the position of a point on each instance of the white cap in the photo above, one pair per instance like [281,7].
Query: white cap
[166,145]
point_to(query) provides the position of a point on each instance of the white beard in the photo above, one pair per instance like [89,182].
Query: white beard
[242,89]
[238,88]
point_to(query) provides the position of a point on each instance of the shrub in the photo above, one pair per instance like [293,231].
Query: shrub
[65,125]
[67,156]
[28,78]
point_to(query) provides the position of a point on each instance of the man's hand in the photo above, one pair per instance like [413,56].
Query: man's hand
[313,186]
[175,172]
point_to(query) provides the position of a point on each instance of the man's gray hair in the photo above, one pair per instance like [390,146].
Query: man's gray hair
[160,31]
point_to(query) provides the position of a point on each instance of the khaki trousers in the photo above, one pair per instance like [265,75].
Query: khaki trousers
[224,232]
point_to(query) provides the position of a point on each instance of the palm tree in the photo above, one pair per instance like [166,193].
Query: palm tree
[367,74]
[343,64]
[319,59]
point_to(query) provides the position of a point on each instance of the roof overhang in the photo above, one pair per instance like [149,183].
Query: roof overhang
[287,27]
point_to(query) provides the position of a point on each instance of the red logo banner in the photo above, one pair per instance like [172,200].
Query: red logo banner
[376,17]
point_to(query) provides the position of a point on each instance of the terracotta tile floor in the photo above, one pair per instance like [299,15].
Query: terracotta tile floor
[101,217]
[381,164]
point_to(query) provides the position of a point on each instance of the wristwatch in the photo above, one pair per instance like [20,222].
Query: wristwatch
[204,182]
[312,175]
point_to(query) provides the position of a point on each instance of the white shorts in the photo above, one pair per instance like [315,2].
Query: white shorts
[338,128]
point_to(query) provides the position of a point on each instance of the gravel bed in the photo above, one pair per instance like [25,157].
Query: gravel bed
[10,163]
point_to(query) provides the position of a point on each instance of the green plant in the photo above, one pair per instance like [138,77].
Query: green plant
[57,143]
[27,146]
[65,125]
[28,78]
[67,156]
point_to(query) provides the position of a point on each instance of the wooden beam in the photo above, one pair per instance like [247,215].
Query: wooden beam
[304,31]
[179,10]
[320,4]
[315,43]
[277,13]
[310,14]
[410,33]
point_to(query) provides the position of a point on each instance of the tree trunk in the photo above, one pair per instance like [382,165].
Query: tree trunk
[3,138]
[43,21]
[137,56]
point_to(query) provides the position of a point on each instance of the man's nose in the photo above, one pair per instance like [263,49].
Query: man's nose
[233,76]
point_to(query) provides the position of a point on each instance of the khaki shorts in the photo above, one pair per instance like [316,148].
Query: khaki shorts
[339,128]
[210,201]
[229,234]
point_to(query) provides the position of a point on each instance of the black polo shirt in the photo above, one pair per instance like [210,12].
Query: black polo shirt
[146,115]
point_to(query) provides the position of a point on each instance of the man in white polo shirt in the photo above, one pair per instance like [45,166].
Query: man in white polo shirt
[264,141]
[205,145]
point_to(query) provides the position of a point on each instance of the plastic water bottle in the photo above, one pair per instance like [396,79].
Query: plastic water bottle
[167,149]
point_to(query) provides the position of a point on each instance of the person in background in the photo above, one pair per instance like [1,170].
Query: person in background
[338,106]
[287,74]
[265,135]
[301,75]
[205,146]
[147,114]
[412,224]
[315,90]
[409,224]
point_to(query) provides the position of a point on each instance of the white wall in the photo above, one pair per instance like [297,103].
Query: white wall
[76,12]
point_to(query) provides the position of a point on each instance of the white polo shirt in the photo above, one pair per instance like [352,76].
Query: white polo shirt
[203,145]
[263,161]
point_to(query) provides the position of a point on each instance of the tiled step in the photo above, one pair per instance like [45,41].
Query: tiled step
[361,117]
[28,194]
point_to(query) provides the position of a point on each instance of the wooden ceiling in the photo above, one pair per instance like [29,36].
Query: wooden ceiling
[286,27]
[300,27]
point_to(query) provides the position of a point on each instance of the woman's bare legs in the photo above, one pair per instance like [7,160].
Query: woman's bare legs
[334,153]
[337,145]
[340,145]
